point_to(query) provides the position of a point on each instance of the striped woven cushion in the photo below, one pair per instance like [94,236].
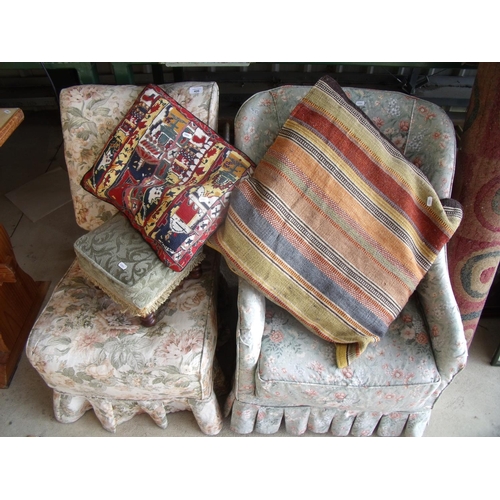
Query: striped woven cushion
[335,225]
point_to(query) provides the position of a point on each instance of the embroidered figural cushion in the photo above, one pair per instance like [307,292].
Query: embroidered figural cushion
[335,225]
[169,173]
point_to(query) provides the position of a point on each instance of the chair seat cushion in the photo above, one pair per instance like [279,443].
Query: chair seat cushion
[83,343]
[116,258]
[297,367]
[169,173]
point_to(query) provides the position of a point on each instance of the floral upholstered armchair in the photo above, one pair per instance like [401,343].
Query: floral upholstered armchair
[91,353]
[285,373]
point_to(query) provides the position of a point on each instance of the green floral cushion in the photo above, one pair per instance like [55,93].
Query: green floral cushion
[116,258]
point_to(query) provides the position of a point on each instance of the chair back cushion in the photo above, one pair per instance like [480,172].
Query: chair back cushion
[90,114]
[419,129]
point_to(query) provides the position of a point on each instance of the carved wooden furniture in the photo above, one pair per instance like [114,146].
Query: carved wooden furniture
[20,301]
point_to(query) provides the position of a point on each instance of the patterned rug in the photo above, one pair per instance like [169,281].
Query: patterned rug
[474,250]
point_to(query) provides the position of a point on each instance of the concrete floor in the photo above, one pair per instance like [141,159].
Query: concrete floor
[42,230]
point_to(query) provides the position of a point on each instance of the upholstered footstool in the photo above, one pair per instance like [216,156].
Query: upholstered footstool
[116,258]
[94,356]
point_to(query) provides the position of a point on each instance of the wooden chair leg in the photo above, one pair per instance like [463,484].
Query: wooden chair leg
[496,358]
[195,273]
[149,320]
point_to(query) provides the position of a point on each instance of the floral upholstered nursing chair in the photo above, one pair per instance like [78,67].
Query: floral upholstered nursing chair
[91,353]
[287,375]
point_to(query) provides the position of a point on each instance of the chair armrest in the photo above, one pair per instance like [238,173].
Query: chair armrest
[249,331]
[443,317]
[437,300]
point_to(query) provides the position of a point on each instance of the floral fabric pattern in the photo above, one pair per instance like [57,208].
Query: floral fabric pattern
[291,357]
[285,373]
[91,353]
[419,129]
[90,114]
[94,355]
[116,258]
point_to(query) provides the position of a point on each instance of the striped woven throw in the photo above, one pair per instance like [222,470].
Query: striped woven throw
[335,225]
